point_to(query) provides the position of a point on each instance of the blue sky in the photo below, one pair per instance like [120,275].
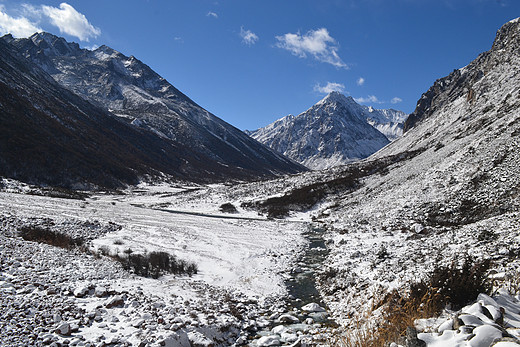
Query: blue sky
[251,62]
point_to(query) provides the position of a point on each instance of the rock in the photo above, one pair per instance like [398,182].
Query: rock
[179,339]
[137,322]
[485,335]
[198,339]
[74,327]
[288,337]
[80,292]
[56,318]
[241,341]
[266,341]
[411,338]
[116,301]
[100,292]
[309,321]
[64,329]
[146,316]
[287,318]
[313,307]
[506,342]
[448,325]
[418,228]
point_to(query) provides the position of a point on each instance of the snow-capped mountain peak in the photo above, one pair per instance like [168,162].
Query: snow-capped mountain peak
[336,130]
[336,97]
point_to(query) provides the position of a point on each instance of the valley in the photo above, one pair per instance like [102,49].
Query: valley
[131,216]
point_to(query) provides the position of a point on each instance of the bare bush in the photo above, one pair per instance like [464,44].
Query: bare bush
[50,237]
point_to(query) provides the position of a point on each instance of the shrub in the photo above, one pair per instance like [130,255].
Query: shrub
[228,208]
[455,285]
[155,264]
[50,237]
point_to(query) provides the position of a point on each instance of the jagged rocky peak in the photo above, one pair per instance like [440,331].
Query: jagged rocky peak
[508,37]
[504,51]
[334,131]
[53,45]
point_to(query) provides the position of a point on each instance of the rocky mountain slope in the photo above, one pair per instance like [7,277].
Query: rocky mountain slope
[335,131]
[51,136]
[141,98]
[458,196]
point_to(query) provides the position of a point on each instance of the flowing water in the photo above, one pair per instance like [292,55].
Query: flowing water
[301,286]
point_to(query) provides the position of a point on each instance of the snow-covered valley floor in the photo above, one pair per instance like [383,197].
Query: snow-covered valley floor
[253,273]
[53,295]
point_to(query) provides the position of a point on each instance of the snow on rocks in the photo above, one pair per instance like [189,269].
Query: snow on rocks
[69,296]
[267,341]
[490,321]
[287,318]
[313,307]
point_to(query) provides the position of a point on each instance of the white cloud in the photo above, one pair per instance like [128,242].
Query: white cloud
[329,88]
[360,81]
[317,43]
[18,27]
[212,14]
[178,39]
[396,100]
[71,22]
[248,37]
[369,99]
[92,48]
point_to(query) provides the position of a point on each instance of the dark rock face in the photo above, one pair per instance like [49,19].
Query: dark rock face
[52,136]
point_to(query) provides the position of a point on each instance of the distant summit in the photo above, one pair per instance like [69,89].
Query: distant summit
[335,131]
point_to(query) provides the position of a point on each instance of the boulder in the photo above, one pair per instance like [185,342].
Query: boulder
[287,318]
[313,307]
[80,291]
[64,329]
[267,341]
[116,301]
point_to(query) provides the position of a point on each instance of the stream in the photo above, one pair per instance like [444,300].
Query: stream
[301,286]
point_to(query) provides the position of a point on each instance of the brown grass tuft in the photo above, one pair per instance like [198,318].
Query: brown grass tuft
[452,285]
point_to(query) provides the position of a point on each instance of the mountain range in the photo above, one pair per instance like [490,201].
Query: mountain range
[337,130]
[130,109]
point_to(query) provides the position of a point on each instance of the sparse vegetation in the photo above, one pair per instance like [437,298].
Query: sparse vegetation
[304,198]
[155,264]
[455,285]
[50,237]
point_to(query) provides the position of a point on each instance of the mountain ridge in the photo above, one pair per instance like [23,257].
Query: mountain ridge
[336,130]
[130,91]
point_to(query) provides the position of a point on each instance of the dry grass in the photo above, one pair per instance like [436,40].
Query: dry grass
[454,285]
[397,312]
[50,237]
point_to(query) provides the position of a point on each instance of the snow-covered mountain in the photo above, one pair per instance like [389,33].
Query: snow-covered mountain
[129,89]
[335,131]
